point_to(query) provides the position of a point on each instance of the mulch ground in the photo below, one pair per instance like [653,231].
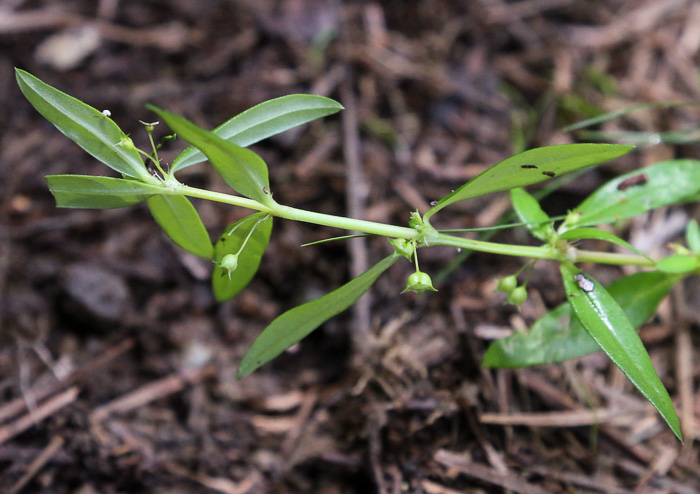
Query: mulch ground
[117,366]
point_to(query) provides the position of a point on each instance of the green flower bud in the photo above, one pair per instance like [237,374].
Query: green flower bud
[228,264]
[419,282]
[679,249]
[507,284]
[572,218]
[126,143]
[415,221]
[518,296]
[402,247]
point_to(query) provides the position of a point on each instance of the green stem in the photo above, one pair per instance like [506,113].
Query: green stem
[541,252]
[610,258]
[495,248]
[209,195]
[150,158]
[385,230]
[250,233]
[295,214]
[351,224]
[155,159]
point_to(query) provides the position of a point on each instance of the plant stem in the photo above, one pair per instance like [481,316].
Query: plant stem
[209,195]
[351,224]
[611,258]
[154,157]
[541,252]
[295,214]
[495,248]
[394,231]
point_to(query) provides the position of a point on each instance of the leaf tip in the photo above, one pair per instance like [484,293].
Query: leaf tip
[625,148]
[154,108]
[20,73]
[245,369]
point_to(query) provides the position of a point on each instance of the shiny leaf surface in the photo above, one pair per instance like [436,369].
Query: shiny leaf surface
[556,336]
[253,231]
[607,324]
[637,192]
[295,324]
[243,170]
[89,128]
[89,192]
[264,120]
[530,167]
[529,211]
[181,222]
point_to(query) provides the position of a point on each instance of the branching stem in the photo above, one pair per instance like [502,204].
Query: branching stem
[393,231]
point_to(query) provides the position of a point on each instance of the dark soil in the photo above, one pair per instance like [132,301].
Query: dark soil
[117,366]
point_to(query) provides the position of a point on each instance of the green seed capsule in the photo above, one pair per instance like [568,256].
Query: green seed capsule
[228,264]
[507,284]
[419,282]
[126,143]
[518,296]
[402,247]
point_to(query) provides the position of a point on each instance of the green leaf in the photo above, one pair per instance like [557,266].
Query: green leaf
[295,324]
[181,222]
[230,242]
[89,192]
[606,322]
[264,120]
[635,138]
[87,127]
[529,211]
[692,236]
[662,184]
[243,170]
[556,336]
[530,167]
[625,111]
[597,234]
[678,263]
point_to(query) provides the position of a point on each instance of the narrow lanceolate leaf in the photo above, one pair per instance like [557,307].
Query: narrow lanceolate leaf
[636,138]
[295,324]
[556,336]
[678,264]
[89,128]
[529,211]
[243,170]
[532,166]
[692,236]
[89,192]
[264,120]
[597,234]
[662,184]
[253,231]
[181,222]
[589,122]
[608,325]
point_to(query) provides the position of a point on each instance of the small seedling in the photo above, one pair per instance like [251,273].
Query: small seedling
[600,317]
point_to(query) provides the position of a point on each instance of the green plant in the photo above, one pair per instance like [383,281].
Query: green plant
[600,317]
